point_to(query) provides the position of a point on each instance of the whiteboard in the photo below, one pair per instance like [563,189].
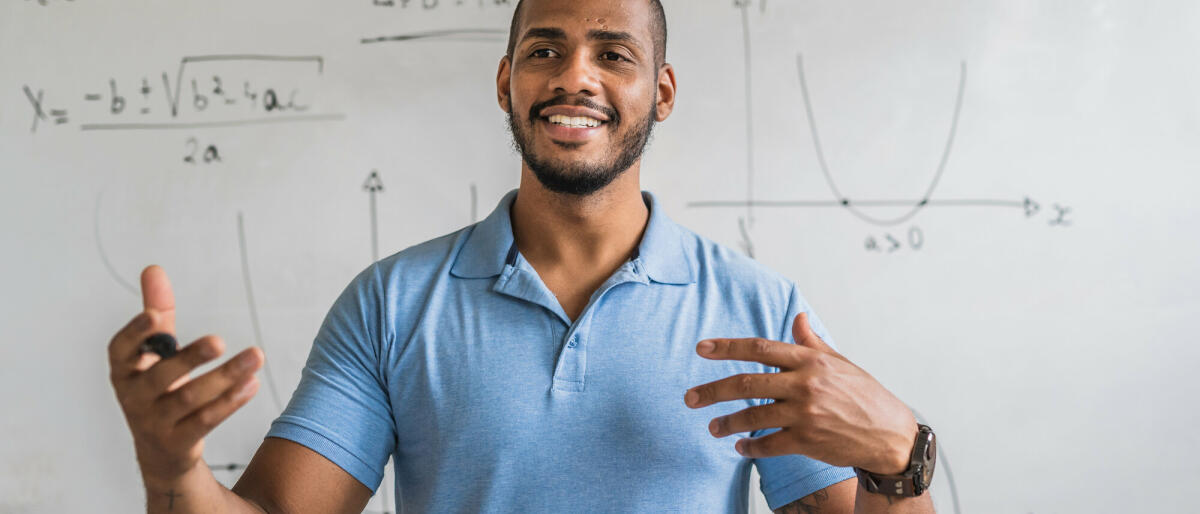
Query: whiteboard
[990,203]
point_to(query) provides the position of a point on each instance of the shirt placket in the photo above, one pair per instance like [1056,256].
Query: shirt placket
[570,371]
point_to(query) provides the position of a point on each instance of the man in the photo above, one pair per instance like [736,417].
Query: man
[567,354]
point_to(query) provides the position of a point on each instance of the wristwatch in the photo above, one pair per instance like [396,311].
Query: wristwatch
[913,481]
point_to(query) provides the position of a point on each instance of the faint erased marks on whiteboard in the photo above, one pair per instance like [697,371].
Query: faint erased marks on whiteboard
[474,203]
[112,271]
[253,306]
[482,35]
[430,5]
[942,463]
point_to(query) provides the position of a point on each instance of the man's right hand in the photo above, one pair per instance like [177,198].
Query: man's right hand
[168,411]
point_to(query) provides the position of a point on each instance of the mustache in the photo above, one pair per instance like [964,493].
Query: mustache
[577,101]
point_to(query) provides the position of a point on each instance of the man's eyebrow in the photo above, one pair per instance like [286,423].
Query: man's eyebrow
[609,35]
[545,33]
[595,35]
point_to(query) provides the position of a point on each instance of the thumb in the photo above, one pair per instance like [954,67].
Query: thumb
[157,295]
[803,334]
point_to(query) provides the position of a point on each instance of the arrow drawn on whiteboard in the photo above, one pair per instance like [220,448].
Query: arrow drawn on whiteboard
[112,271]
[762,4]
[371,186]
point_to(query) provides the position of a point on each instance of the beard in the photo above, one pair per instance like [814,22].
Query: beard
[575,177]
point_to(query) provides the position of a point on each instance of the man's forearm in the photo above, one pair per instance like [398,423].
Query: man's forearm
[866,502]
[196,492]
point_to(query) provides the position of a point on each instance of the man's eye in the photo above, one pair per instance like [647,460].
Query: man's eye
[612,56]
[542,53]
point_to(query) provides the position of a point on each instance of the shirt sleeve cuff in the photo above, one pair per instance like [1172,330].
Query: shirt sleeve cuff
[312,436]
[793,490]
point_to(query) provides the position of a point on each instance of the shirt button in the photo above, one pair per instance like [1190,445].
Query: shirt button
[572,342]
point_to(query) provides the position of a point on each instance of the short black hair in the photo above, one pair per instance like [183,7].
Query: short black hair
[658,30]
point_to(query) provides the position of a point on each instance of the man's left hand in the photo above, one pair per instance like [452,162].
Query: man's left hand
[826,407]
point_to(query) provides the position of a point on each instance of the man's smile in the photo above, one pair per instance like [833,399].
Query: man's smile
[578,129]
[572,123]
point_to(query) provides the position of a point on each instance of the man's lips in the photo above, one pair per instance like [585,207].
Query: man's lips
[573,111]
[569,133]
[568,120]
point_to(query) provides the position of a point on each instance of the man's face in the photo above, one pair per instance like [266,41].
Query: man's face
[582,90]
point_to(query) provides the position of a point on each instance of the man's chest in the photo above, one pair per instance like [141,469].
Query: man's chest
[521,382]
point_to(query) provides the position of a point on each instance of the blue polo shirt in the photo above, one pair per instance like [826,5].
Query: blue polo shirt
[453,358]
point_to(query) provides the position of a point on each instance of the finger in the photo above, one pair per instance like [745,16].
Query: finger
[772,353]
[157,295]
[758,417]
[804,335]
[737,387]
[123,354]
[158,380]
[206,388]
[770,445]
[198,424]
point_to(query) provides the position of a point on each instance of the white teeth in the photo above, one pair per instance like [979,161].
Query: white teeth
[574,122]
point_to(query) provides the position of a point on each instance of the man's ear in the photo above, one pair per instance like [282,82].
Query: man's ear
[666,93]
[503,88]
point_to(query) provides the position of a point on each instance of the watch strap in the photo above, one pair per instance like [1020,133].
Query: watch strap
[914,480]
[907,485]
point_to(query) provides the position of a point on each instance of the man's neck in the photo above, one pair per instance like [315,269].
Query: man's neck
[556,231]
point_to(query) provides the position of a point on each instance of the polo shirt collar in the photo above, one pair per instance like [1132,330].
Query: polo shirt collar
[488,245]
[661,253]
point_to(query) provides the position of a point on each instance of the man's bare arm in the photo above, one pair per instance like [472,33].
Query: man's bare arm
[283,477]
[193,492]
[835,499]
[867,502]
[286,477]
[847,497]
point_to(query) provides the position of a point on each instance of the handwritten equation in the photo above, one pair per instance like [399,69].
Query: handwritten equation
[206,91]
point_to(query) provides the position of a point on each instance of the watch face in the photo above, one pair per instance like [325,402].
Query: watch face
[930,460]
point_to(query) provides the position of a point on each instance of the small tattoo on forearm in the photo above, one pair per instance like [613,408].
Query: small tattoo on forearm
[810,504]
[171,495]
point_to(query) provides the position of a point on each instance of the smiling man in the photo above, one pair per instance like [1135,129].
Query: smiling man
[576,351]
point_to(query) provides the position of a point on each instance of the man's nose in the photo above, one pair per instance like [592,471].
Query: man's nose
[576,75]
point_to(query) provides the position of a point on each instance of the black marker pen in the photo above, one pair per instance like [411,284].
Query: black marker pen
[162,343]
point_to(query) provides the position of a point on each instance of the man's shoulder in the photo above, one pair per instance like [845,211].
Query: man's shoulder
[422,262]
[719,264]
[431,250]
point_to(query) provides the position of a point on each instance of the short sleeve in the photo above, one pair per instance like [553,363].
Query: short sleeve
[787,478]
[340,409]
